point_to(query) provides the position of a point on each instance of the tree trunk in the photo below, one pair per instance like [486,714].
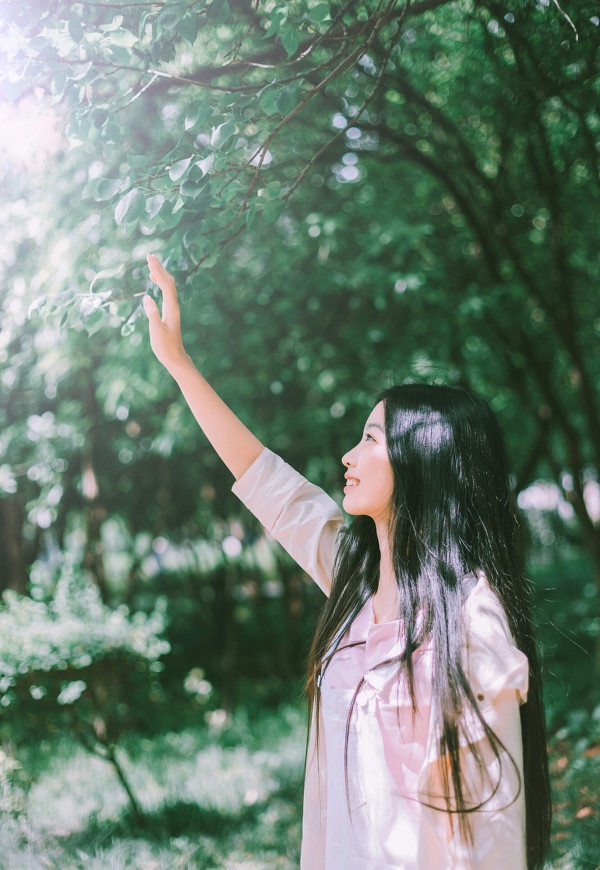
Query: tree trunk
[94,511]
[226,646]
[13,569]
[111,757]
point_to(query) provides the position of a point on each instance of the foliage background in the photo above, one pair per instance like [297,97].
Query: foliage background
[348,194]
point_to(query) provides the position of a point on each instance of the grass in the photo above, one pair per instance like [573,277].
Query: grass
[226,801]
[230,798]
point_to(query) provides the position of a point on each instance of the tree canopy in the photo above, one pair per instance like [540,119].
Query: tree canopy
[347,193]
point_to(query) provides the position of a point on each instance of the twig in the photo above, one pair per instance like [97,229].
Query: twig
[300,177]
[564,14]
[138,93]
[261,152]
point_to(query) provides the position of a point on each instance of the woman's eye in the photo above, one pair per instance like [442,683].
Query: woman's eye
[369,437]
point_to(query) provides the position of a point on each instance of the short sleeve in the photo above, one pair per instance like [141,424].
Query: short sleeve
[493,663]
[498,675]
[298,514]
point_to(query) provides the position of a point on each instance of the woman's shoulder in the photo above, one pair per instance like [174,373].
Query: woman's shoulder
[270,483]
[483,609]
[298,514]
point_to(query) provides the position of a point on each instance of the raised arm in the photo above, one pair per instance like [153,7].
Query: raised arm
[232,440]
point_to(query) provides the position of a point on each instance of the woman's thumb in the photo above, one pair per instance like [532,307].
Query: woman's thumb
[150,307]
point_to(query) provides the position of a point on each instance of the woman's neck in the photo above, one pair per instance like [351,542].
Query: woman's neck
[385,600]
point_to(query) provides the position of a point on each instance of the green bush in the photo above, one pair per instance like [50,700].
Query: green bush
[70,663]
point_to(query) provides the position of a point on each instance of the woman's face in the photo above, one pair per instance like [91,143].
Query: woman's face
[369,475]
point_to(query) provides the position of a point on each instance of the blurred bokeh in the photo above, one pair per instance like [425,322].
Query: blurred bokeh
[348,197]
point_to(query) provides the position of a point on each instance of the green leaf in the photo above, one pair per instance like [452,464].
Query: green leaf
[290,40]
[272,191]
[131,207]
[272,210]
[222,134]
[168,51]
[278,17]
[143,21]
[137,160]
[38,305]
[128,326]
[58,84]
[124,39]
[251,213]
[205,165]
[94,322]
[99,118]
[218,11]
[319,14]
[188,27]
[103,189]
[120,55]
[114,25]
[178,205]
[236,187]
[193,236]
[190,189]
[268,98]
[75,29]
[80,71]
[288,99]
[156,51]
[198,116]
[209,261]
[179,169]
[170,16]
[154,205]
[104,274]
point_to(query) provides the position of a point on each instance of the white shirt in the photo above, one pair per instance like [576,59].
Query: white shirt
[380,821]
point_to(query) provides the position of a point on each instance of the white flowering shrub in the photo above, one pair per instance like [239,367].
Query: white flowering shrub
[73,662]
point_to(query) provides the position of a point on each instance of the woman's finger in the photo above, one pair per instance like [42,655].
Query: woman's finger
[160,276]
[151,308]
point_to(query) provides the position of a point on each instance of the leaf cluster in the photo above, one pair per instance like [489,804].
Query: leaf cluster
[201,97]
[347,193]
[71,661]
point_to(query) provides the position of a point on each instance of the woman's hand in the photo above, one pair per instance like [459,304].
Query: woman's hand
[165,332]
[233,441]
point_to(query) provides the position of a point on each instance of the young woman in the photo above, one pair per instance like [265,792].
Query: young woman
[427,745]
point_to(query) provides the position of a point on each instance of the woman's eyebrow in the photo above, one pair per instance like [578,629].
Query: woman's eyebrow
[375,426]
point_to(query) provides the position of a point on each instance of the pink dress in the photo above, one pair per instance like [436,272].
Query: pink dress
[380,821]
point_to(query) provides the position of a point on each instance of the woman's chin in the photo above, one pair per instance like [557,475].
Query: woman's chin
[350,508]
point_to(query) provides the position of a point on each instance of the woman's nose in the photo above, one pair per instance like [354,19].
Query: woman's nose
[348,459]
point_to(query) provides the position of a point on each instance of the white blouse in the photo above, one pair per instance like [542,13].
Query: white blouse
[370,813]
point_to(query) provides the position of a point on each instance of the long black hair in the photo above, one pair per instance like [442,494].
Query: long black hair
[452,514]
